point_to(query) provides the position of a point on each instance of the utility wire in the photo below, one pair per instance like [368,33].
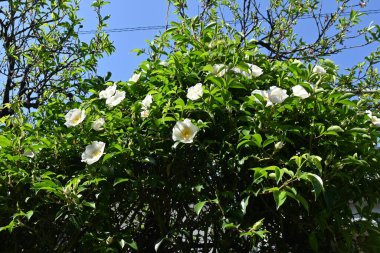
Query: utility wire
[162,27]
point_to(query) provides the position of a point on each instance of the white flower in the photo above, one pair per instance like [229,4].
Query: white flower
[107,93]
[376,121]
[74,117]
[254,70]
[184,131]
[276,95]
[135,77]
[279,145]
[369,113]
[147,101]
[93,152]
[238,71]
[195,92]
[219,70]
[97,125]
[262,93]
[319,70]
[164,63]
[300,91]
[29,154]
[241,72]
[144,113]
[115,99]
[296,61]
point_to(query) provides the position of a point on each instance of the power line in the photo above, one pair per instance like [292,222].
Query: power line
[161,27]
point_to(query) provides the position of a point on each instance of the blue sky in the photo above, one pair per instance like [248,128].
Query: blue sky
[153,12]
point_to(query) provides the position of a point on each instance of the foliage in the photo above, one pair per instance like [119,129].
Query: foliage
[247,176]
[41,51]
[276,27]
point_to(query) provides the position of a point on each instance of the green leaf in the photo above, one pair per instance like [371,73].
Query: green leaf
[216,80]
[260,173]
[89,204]
[45,185]
[313,242]
[347,102]
[299,199]
[4,141]
[8,227]
[317,183]
[267,142]
[228,225]
[157,245]
[297,160]
[346,95]
[118,147]
[244,204]
[257,139]
[198,207]
[258,224]
[279,173]
[107,156]
[316,160]
[243,143]
[336,129]
[122,243]
[179,103]
[279,197]
[198,188]
[359,130]
[133,245]
[208,68]
[120,180]
[331,133]
[29,214]
[236,85]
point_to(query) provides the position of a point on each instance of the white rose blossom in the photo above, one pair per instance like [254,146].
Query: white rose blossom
[262,93]
[93,152]
[97,125]
[376,121]
[238,71]
[184,131]
[319,70]
[74,117]
[115,99]
[195,92]
[241,72]
[254,70]
[29,154]
[219,70]
[147,101]
[279,145]
[144,113]
[107,93]
[296,61]
[276,95]
[300,91]
[135,77]
[164,63]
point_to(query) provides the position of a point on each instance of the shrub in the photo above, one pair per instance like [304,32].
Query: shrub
[216,147]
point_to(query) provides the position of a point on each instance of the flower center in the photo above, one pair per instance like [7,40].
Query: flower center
[186,133]
[76,118]
[96,153]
